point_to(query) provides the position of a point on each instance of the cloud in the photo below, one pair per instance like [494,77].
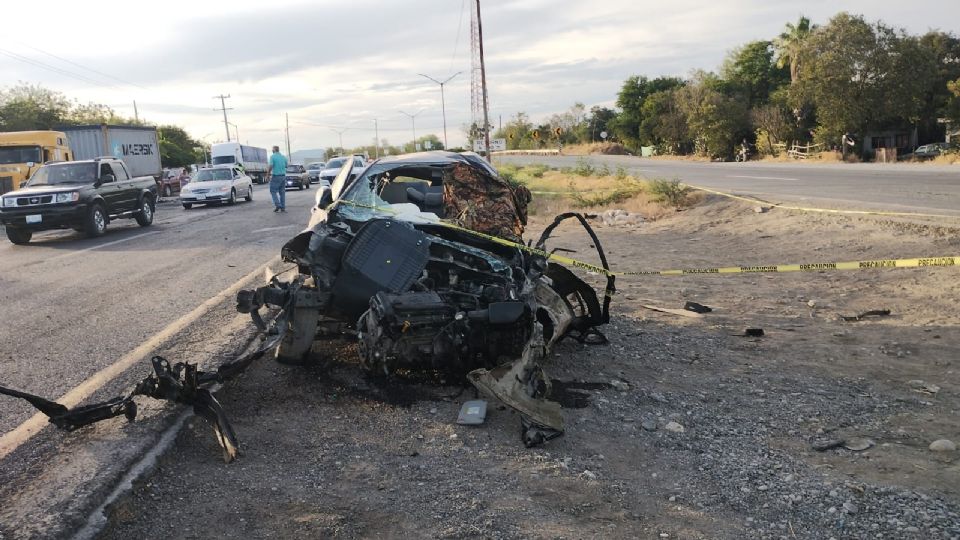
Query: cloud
[335,63]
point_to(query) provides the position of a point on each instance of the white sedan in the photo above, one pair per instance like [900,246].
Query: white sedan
[216,185]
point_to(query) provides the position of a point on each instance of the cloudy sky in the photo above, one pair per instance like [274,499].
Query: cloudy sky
[334,64]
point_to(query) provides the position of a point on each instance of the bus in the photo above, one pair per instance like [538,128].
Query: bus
[253,159]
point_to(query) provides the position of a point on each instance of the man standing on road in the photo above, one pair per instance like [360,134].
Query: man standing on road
[278,180]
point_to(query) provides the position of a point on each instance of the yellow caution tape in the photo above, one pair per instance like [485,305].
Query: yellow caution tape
[926,262]
[755,200]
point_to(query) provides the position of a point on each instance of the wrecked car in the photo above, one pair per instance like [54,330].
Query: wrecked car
[420,260]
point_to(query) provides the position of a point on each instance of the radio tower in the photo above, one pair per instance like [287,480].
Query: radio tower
[479,102]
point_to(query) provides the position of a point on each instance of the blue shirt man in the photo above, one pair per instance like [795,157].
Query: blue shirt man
[278,180]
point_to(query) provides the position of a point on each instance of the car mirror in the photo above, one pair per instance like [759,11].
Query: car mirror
[105,179]
[30,164]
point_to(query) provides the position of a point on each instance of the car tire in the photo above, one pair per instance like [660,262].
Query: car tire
[96,222]
[20,237]
[233,197]
[145,214]
[249,197]
[187,206]
[167,192]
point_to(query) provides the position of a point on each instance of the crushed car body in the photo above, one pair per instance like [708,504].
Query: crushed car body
[420,260]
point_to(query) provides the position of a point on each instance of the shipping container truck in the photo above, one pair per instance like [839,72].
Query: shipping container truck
[252,159]
[23,152]
[137,146]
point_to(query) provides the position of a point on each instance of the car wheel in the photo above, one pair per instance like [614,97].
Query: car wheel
[167,192]
[233,197]
[145,215]
[19,237]
[96,223]
[187,206]
[249,197]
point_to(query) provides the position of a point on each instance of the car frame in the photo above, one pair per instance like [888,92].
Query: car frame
[296,177]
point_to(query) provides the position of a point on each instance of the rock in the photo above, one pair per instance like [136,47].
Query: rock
[649,424]
[760,209]
[850,508]
[812,303]
[943,445]
[619,385]
[674,427]
[858,444]
[588,474]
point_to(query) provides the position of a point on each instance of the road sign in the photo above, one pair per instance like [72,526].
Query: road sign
[498,145]
[558,132]
[428,145]
[510,136]
[603,134]
[417,147]
[536,134]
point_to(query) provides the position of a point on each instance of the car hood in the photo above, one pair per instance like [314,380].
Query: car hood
[38,190]
[329,172]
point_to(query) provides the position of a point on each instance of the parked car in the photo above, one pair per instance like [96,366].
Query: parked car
[334,165]
[216,185]
[313,171]
[297,177]
[82,195]
[171,181]
[928,151]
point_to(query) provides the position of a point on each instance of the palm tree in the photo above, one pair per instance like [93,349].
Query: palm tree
[790,44]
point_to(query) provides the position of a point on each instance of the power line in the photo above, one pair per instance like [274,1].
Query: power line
[54,69]
[456,42]
[102,74]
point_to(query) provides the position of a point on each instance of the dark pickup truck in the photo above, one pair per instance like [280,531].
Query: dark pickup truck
[82,195]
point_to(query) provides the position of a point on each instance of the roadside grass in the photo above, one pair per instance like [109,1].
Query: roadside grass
[586,187]
[606,148]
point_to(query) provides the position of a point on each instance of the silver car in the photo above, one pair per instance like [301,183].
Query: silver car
[217,185]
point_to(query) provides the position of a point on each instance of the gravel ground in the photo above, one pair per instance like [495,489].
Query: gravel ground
[679,428]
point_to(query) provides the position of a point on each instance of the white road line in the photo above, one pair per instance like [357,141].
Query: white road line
[24,432]
[273,228]
[766,178]
[108,244]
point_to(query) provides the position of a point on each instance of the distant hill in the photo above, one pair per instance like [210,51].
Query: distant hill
[313,154]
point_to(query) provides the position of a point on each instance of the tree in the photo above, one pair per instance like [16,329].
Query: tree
[790,46]
[28,107]
[773,127]
[715,121]
[599,122]
[751,71]
[630,101]
[863,76]
[177,148]
[664,124]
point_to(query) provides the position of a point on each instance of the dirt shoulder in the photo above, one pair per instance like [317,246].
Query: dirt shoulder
[332,453]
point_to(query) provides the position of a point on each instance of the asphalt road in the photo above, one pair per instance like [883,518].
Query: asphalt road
[923,188]
[71,306]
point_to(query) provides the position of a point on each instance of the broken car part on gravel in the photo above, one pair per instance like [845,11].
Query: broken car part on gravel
[378,266]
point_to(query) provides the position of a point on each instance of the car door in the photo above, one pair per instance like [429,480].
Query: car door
[109,188]
[127,187]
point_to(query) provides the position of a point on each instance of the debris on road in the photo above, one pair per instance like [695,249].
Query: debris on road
[866,314]
[943,445]
[697,308]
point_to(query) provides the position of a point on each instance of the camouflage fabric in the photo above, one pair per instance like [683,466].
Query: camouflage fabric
[484,203]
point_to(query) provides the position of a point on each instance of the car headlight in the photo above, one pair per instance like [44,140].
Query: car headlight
[9,201]
[70,196]
[225,189]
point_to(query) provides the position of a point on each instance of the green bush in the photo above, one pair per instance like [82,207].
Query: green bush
[625,189]
[584,168]
[671,192]
[621,173]
[536,171]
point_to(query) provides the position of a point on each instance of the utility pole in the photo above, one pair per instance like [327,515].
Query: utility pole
[443,103]
[483,78]
[340,132]
[288,135]
[223,107]
[376,141]
[136,113]
[413,123]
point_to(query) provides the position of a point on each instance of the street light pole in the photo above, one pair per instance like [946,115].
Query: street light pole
[413,123]
[443,103]
[376,141]
[340,133]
